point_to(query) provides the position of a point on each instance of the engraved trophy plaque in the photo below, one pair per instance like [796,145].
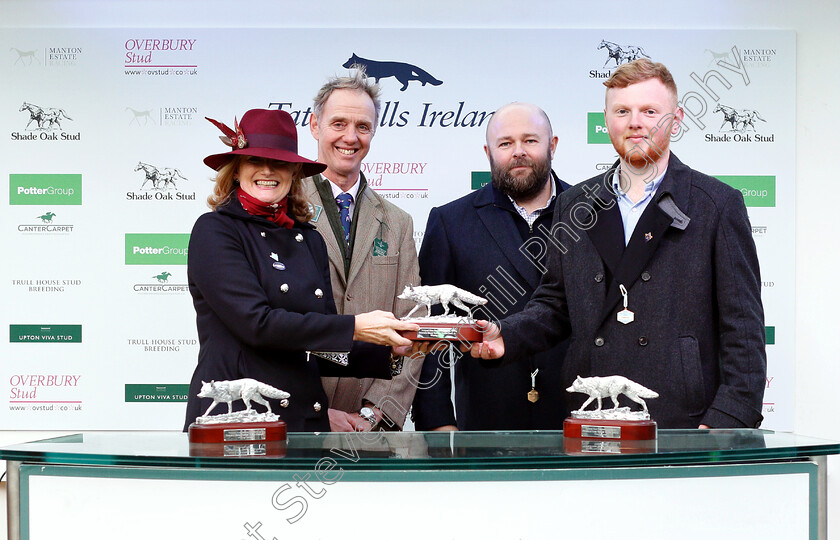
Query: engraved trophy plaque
[243,433]
[615,430]
[448,326]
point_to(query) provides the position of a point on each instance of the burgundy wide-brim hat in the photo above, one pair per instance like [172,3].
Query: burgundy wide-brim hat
[262,133]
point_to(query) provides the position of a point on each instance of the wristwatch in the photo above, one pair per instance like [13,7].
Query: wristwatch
[368,414]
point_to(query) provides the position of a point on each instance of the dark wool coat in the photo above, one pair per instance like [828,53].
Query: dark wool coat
[468,241]
[262,298]
[692,275]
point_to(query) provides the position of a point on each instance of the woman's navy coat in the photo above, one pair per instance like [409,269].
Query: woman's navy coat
[262,298]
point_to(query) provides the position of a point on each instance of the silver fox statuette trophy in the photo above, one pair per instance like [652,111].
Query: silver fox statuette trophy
[240,433]
[616,423]
[448,326]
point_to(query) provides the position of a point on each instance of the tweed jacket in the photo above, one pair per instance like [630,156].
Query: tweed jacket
[372,283]
[473,243]
[262,299]
[692,276]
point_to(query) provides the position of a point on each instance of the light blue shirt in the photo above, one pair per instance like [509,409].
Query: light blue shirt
[630,211]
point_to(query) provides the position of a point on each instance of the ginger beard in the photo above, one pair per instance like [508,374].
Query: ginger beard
[518,187]
[644,153]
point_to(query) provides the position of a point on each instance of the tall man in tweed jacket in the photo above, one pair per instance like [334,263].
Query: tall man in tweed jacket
[652,272]
[370,245]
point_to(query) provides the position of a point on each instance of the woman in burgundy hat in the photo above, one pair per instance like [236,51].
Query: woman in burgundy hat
[259,277]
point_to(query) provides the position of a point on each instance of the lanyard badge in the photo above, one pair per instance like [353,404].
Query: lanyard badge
[625,316]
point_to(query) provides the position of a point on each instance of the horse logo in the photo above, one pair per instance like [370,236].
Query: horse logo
[47,119]
[30,55]
[145,115]
[161,179]
[47,218]
[401,71]
[163,277]
[740,120]
[620,54]
[717,56]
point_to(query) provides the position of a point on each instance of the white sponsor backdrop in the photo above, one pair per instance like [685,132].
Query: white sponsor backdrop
[140,95]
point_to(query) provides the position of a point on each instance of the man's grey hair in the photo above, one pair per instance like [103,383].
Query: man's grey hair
[357,80]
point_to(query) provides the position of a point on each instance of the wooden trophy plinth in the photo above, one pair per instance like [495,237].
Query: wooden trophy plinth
[582,447]
[596,436]
[625,430]
[444,331]
[275,449]
[238,439]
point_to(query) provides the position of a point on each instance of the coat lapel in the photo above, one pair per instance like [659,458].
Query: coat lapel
[370,217]
[323,226]
[502,228]
[646,237]
[607,235]
[664,212]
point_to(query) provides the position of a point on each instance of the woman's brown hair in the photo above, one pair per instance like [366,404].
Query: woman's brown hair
[226,184]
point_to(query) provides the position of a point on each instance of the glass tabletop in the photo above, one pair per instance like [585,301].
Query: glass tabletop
[426,450]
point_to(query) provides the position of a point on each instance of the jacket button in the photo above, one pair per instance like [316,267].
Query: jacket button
[319,293]
[317,406]
[643,341]
[645,276]
[599,277]
[599,342]
[284,288]
[349,297]
[298,238]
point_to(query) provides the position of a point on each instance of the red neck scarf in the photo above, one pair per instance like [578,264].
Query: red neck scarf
[272,212]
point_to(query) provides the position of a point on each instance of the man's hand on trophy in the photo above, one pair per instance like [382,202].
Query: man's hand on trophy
[381,328]
[492,345]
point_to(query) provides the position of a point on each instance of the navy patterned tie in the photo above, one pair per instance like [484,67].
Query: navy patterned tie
[344,201]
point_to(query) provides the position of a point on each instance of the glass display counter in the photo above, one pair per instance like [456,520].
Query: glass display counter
[521,484]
